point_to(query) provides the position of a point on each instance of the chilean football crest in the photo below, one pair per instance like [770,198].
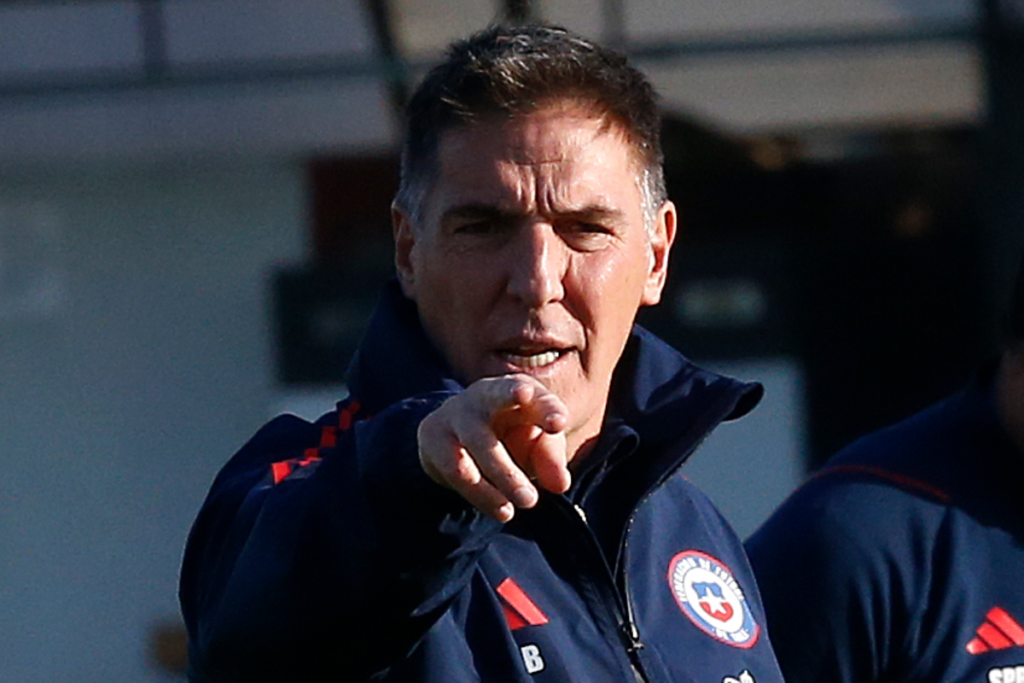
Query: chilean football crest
[707,593]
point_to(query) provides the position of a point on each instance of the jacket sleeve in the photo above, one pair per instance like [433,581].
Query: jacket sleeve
[351,557]
[843,571]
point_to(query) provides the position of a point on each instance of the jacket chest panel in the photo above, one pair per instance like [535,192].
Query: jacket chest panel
[694,596]
[553,626]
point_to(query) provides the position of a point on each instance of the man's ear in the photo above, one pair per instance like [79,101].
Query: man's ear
[661,239]
[405,243]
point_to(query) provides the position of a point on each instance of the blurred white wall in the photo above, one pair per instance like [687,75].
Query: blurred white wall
[121,398]
[748,466]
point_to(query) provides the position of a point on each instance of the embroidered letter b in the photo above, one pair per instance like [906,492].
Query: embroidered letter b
[532,659]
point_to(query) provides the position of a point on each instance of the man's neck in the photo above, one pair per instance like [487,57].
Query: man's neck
[1010,394]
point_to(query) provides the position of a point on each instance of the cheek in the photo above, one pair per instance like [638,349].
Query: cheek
[611,288]
[440,272]
[458,291]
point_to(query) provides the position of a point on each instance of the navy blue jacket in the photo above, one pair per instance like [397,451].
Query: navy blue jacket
[903,559]
[323,552]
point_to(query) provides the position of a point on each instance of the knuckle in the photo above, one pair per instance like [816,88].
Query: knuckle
[522,383]
[463,468]
[504,475]
[446,466]
[480,444]
[425,435]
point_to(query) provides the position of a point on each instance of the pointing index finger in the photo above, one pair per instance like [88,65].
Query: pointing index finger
[530,401]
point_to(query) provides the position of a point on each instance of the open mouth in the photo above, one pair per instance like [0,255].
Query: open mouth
[531,361]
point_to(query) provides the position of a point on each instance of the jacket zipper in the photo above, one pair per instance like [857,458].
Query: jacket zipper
[628,630]
[631,631]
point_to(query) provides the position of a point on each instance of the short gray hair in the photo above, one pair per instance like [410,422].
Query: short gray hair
[513,70]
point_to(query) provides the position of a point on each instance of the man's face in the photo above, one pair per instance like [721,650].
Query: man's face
[532,255]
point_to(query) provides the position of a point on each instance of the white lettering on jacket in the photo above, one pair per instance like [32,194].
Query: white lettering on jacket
[532,659]
[1006,674]
[745,677]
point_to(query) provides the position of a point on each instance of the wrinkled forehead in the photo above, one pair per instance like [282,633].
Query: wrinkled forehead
[537,140]
[546,137]
[560,153]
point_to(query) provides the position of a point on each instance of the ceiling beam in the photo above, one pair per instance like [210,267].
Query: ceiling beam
[383,30]
[518,11]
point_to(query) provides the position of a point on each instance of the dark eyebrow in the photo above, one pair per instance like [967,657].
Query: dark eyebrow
[595,213]
[476,211]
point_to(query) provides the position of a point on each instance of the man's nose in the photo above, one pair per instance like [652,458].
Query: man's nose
[538,265]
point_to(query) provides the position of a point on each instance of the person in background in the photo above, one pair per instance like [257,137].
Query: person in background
[903,558]
[499,498]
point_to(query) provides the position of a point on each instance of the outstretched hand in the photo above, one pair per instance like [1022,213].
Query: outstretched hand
[495,442]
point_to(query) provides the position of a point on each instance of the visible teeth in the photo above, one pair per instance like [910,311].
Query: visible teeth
[536,360]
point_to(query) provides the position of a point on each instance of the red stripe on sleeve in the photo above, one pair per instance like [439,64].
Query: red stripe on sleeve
[514,620]
[328,437]
[521,602]
[977,646]
[281,470]
[993,636]
[346,415]
[1006,624]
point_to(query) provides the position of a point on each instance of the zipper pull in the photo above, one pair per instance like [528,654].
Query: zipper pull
[633,644]
[633,636]
[581,513]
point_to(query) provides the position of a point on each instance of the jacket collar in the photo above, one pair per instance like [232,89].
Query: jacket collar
[395,359]
[655,390]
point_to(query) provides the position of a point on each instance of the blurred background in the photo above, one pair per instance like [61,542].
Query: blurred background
[194,223]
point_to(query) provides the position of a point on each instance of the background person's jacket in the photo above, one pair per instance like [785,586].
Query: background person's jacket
[324,553]
[903,558]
